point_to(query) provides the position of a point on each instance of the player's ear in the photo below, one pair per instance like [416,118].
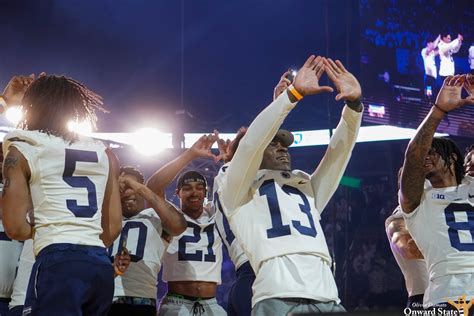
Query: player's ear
[454,157]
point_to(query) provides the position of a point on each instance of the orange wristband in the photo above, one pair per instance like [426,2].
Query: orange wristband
[117,271]
[295,92]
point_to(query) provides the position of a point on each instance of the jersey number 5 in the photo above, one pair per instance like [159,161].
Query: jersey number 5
[73,156]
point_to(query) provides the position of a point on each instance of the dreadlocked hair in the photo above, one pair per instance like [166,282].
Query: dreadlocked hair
[446,148]
[50,102]
[134,172]
[468,149]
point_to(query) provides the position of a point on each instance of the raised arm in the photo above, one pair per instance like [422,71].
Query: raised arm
[172,220]
[249,154]
[165,175]
[325,179]
[16,88]
[16,195]
[413,174]
[111,206]
[457,43]
[436,41]
[400,239]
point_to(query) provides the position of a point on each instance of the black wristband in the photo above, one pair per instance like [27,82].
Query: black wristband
[354,105]
[437,106]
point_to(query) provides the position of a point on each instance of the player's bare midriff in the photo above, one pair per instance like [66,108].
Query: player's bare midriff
[193,288]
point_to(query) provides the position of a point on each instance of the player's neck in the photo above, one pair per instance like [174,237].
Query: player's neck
[193,213]
[439,182]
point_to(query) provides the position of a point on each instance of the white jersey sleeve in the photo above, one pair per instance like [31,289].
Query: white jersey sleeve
[9,253]
[471,56]
[25,265]
[248,157]
[328,174]
[196,254]
[415,272]
[67,187]
[231,243]
[143,236]
[442,228]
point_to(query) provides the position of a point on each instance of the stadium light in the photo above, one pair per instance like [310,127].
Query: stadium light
[84,127]
[14,114]
[150,141]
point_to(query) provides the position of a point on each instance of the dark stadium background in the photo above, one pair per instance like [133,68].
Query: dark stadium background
[193,66]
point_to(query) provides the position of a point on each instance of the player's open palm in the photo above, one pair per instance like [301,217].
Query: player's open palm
[202,147]
[449,97]
[16,88]
[307,80]
[347,86]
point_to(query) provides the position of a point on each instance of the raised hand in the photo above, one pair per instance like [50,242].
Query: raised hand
[282,85]
[128,182]
[306,81]
[223,146]
[227,147]
[469,84]
[121,262]
[16,88]
[202,147]
[449,97]
[346,84]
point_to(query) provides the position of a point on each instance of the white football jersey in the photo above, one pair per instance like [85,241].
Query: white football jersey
[275,214]
[442,227]
[280,219]
[414,271]
[25,265]
[67,186]
[231,243]
[196,254]
[9,253]
[143,240]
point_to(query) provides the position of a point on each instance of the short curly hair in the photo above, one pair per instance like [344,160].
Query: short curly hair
[134,172]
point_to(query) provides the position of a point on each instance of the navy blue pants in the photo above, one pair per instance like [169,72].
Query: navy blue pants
[415,302]
[70,280]
[240,295]
[16,311]
[4,306]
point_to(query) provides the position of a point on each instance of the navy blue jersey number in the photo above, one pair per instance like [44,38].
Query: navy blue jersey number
[73,156]
[195,238]
[268,190]
[229,235]
[137,250]
[455,227]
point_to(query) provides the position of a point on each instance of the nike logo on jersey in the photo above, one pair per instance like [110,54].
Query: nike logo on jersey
[302,182]
[470,196]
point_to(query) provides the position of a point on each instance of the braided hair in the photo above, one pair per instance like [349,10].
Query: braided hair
[50,102]
[446,148]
